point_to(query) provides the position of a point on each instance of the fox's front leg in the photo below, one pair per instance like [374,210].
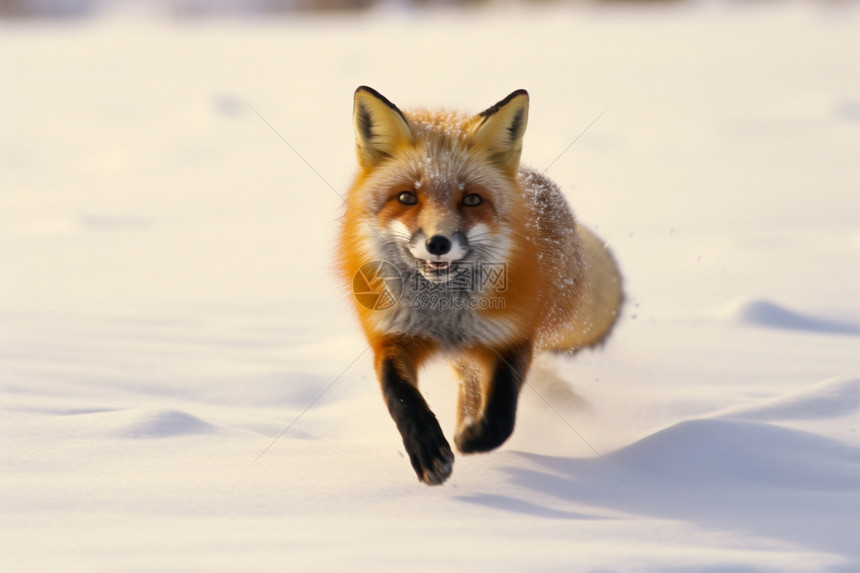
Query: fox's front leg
[504,375]
[397,366]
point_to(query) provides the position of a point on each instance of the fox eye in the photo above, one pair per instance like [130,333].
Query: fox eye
[472,200]
[407,198]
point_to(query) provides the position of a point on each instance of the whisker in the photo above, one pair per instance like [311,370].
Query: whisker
[479,236]
[487,248]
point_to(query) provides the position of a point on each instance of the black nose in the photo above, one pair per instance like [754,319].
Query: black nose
[438,245]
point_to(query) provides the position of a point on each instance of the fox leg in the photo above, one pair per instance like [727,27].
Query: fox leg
[505,374]
[397,366]
[469,397]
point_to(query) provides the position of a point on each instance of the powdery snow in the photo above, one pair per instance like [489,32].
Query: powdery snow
[183,385]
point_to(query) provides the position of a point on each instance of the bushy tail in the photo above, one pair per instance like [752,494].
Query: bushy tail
[600,301]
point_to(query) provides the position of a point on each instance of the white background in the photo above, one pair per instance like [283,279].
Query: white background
[167,305]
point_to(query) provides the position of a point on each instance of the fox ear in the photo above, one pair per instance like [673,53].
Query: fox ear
[500,130]
[380,128]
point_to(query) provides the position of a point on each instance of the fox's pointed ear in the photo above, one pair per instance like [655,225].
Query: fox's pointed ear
[499,130]
[380,128]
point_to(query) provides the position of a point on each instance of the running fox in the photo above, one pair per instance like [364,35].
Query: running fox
[472,256]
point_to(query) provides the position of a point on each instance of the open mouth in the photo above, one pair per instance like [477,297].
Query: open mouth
[438,266]
[437,271]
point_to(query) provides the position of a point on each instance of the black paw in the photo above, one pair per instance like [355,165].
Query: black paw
[431,456]
[476,436]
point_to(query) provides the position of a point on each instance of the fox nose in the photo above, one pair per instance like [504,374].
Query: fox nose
[438,245]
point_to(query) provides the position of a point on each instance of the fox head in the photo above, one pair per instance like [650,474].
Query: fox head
[438,190]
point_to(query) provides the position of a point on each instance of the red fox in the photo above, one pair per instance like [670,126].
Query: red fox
[479,259]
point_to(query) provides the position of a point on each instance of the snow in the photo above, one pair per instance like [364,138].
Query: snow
[183,386]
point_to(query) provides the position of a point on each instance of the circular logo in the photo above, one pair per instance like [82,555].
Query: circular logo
[377,285]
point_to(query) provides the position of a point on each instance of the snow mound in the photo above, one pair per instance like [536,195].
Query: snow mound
[156,423]
[730,475]
[832,398]
[721,453]
[757,312]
